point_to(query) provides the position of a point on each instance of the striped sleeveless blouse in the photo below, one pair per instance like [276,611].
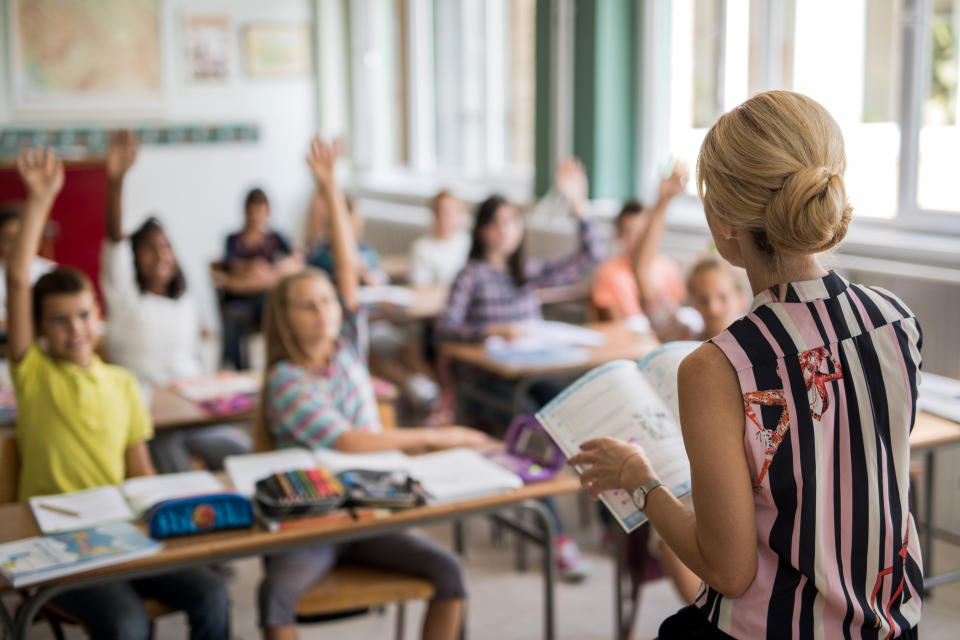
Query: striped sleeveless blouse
[828,372]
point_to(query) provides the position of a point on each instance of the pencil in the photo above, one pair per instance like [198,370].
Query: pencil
[56,509]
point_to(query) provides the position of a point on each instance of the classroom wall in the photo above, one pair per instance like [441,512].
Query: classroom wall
[198,190]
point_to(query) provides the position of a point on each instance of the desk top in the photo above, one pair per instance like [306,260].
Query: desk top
[622,342]
[931,431]
[428,303]
[16,523]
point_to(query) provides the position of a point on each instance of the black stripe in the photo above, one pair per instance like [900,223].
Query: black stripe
[902,310]
[873,311]
[834,284]
[748,336]
[862,326]
[773,324]
[815,314]
[838,517]
[792,294]
[860,507]
[837,320]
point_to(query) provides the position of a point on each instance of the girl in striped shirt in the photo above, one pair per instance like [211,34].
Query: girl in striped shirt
[796,418]
[318,394]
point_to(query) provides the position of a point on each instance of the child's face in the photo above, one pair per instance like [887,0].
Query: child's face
[715,295]
[8,237]
[447,216]
[69,322]
[258,217]
[313,311]
[505,232]
[631,228]
[155,259]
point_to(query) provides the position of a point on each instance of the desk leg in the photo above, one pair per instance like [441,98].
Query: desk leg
[619,561]
[8,628]
[929,483]
[32,607]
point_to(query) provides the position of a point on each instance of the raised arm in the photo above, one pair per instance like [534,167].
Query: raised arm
[343,243]
[122,149]
[42,174]
[647,245]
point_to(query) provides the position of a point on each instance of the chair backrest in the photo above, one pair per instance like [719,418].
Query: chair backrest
[9,465]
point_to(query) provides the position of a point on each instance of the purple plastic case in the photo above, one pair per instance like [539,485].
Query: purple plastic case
[530,452]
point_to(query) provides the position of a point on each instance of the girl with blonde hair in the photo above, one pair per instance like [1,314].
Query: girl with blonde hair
[797,417]
[317,393]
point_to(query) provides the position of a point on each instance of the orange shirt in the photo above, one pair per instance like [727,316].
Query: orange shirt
[614,286]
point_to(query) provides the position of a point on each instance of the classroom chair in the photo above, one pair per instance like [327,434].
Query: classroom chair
[9,476]
[350,590]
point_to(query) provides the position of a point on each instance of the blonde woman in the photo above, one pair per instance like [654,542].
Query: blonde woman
[797,417]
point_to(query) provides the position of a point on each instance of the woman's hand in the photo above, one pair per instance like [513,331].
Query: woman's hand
[122,148]
[321,159]
[42,173]
[608,463]
[571,181]
[450,437]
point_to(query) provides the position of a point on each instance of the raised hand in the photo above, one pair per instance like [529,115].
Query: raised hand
[42,173]
[122,148]
[570,180]
[322,158]
[674,184]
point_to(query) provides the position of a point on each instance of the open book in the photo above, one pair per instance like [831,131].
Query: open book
[446,476]
[940,396]
[630,401]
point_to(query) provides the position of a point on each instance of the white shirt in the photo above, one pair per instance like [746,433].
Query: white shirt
[436,261]
[38,267]
[155,337]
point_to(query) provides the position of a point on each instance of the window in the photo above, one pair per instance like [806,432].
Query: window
[444,88]
[886,69]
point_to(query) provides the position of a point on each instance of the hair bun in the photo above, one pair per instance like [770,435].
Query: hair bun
[809,214]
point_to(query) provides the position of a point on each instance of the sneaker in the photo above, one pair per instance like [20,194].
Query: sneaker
[570,564]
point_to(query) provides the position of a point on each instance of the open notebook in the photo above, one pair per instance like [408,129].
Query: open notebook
[455,474]
[90,507]
[629,401]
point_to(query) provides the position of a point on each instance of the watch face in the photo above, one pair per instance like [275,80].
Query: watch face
[639,498]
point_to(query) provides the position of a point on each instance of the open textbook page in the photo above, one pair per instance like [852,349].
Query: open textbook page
[628,401]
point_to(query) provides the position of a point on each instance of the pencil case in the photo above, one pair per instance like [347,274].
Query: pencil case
[390,489]
[297,493]
[199,514]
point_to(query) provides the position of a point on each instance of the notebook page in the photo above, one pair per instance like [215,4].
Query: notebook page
[91,506]
[615,401]
[335,461]
[245,470]
[458,474]
[146,491]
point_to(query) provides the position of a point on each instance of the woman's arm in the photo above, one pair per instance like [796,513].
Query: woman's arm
[409,439]
[42,175]
[122,151]
[343,242]
[718,541]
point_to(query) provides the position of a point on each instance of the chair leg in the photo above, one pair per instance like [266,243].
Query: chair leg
[401,620]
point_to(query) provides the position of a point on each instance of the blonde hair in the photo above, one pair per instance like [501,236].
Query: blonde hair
[711,262]
[280,345]
[774,166]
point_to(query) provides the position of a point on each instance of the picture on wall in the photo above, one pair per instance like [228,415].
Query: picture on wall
[206,47]
[273,50]
[85,59]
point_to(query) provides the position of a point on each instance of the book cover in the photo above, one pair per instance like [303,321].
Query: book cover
[42,558]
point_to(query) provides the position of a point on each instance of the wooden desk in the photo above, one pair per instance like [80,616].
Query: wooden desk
[396,266]
[16,523]
[930,434]
[428,304]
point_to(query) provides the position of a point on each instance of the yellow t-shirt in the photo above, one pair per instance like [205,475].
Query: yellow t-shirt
[74,425]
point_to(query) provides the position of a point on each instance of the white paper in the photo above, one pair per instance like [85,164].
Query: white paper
[940,396]
[145,491]
[459,474]
[219,385]
[386,294]
[627,401]
[336,461]
[245,470]
[92,506]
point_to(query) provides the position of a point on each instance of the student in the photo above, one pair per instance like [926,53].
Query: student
[496,292]
[796,418]
[616,292]
[317,393]
[152,326]
[9,230]
[437,257]
[256,257]
[81,422]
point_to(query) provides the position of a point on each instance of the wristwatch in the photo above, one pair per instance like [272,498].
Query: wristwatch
[640,494]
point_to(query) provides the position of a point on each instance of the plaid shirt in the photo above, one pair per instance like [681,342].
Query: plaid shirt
[483,295]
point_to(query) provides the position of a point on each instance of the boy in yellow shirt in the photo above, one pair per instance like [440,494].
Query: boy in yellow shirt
[81,422]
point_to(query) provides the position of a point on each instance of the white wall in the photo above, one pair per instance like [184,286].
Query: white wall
[198,190]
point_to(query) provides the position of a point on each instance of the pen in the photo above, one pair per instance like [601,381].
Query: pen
[60,510]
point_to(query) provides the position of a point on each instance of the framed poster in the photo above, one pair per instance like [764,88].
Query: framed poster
[275,50]
[206,48]
[73,60]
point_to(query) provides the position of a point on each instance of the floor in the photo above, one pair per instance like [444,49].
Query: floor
[507,605]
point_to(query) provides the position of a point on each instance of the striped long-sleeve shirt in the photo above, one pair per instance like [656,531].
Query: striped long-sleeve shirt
[483,295]
[828,372]
[313,408]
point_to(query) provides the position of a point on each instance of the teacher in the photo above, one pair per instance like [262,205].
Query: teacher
[796,419]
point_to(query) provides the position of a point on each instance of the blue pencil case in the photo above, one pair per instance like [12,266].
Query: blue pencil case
[199,514]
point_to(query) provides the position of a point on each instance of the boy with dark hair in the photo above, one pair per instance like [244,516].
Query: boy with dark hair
[81,422]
